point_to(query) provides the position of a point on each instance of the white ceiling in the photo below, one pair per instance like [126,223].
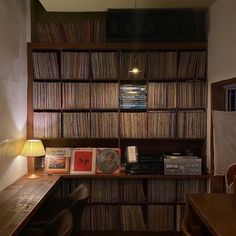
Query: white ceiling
[103,5]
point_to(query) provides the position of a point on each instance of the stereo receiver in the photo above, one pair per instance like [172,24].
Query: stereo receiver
[182,165]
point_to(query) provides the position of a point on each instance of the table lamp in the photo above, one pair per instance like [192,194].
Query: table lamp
[32,148]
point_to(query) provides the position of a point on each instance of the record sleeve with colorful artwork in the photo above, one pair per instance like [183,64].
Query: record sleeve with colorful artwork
[57,160]
[108,161]
[83,161]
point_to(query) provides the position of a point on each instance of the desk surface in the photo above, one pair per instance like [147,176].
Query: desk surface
[20,200]
[217,211]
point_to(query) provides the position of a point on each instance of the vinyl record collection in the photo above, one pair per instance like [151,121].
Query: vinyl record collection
[46,95]
[83,31]
[161,124]
[75,65]
[162,191]
[139,124]
[192,95]
[76,125]
[192,65]
[75,96]
[191,124]
[162,95]
[114,206]
[104,125]
[105,95]
[162,65]
[132,218]
[105,191]
[132,191]
[155,108]
[45,65]
[47,124]
[189,186]
[161,218]
[104,65]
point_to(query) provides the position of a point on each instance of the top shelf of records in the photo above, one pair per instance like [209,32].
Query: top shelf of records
[115,64]
[84,31]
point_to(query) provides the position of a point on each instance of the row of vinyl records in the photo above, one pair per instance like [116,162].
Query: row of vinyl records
[158,191]
[111,65]
[132,218]
[189,124]
[83,31]
[109,95]
[135,191]
[161,213]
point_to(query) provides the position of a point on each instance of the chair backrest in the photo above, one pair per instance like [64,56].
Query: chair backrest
[185,228]
[61,225]
[80,193]
[229,178]
[78,197]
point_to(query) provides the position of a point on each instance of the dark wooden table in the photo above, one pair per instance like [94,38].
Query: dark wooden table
[20,200]
[216,211]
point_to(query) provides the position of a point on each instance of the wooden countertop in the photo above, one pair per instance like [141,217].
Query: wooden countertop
[20,200]
[217,211]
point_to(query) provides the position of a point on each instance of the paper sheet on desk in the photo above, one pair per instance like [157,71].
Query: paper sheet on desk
[224,140]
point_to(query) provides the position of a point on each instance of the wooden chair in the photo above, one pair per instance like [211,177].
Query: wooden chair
[74,203]
[184,228]
[60,225]
[229,178]
[79,197]
[234,184]
[188,226]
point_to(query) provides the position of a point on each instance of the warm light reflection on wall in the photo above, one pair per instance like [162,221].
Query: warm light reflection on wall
[12,165]
[11,147]
[13,111]
[18,166]
[16,104]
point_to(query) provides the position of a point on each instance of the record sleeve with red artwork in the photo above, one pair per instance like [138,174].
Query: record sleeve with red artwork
[83,161]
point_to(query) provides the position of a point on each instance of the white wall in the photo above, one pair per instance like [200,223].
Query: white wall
[221,46]
[14,24]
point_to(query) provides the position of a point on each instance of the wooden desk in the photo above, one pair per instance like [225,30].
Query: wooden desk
[216,211]
[19,201]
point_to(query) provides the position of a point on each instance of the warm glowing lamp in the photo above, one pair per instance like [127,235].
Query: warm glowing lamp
[33,148]
[135,70]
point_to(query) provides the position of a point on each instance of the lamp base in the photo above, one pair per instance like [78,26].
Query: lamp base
[33,176]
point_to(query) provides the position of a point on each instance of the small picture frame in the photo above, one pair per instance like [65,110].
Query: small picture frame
[57,160]
[83,161]
[108,161]
[132,154]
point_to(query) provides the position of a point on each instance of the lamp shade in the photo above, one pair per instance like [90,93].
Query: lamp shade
[33,148]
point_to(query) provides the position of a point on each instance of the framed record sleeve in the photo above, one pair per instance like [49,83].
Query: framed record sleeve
[57,160]
[108,161]
[83,161]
